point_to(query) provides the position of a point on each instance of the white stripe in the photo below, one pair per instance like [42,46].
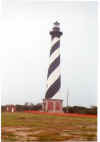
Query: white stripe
[54,41]
[57,95]
[53,77]
[55,54]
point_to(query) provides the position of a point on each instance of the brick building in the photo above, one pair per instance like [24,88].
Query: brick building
[10,108]
[52,105]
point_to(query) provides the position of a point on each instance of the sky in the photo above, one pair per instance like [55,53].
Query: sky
[25,45]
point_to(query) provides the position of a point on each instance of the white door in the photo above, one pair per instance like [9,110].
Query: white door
[12,109]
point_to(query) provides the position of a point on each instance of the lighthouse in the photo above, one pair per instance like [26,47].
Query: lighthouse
[54,76]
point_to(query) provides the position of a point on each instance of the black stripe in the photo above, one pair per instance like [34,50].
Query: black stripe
[54,88]
[55,46]
[53,65]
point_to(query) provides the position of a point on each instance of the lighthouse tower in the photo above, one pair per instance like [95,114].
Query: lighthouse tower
[54,77]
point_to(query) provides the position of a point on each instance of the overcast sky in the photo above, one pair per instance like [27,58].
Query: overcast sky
[24,53]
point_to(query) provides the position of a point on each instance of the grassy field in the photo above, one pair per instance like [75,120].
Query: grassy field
[28,127]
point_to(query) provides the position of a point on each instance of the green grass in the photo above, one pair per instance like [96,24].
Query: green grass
[51,127]
[9,136]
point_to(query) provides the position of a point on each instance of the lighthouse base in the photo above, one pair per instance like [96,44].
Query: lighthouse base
[52,105]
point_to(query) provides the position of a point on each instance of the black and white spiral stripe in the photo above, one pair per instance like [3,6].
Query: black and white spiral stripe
[53,78]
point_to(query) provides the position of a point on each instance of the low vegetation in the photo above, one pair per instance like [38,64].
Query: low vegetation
[71,109]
